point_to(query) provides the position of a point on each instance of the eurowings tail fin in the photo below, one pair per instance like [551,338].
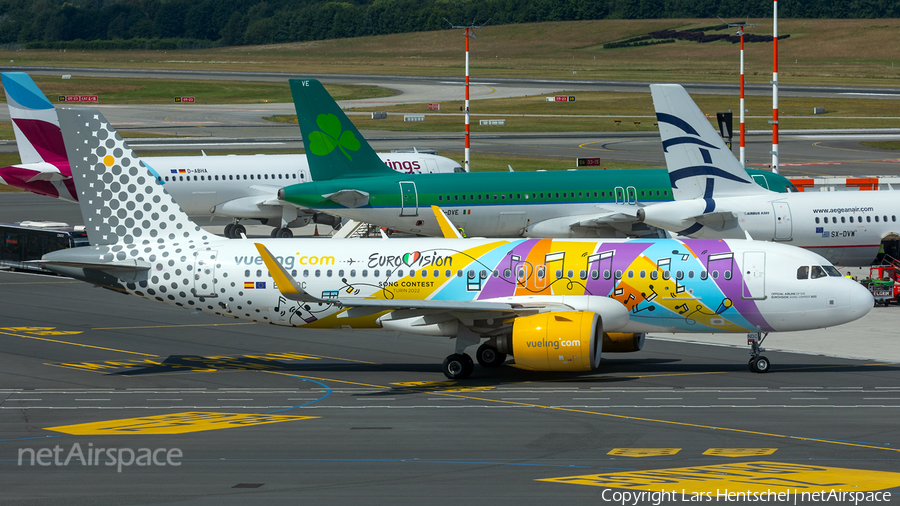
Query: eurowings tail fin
[34,122]
[123,201]
[700,164]
[334,147]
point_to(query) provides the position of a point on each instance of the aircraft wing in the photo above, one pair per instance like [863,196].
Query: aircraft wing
[42,172]
[292,290]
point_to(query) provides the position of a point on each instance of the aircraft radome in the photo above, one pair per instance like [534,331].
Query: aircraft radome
[554,304]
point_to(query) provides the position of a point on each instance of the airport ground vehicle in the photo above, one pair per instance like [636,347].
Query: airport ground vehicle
[30,240]
[883,283]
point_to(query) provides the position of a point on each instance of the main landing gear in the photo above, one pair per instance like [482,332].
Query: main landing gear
[758,363]
[283,233]
[460,365]
[235,231]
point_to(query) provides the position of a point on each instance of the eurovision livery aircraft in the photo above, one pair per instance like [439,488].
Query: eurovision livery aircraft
[350,182]
[715,197]
[235,186]
[554,304]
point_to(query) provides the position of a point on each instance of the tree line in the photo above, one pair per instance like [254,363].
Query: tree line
[204,23]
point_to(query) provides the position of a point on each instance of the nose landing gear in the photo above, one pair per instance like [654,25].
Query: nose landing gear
[758,363]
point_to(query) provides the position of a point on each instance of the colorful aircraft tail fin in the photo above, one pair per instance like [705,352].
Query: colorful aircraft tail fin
[700,164]
[34,121]
[334,147]
[122,200]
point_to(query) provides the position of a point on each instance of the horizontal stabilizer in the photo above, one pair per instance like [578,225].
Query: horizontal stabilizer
[110,267]
[349,198]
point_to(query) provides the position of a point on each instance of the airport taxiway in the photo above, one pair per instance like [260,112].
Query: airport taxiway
[264,413]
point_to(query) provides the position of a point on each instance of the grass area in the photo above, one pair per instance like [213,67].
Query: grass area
[164,91]
[860,52]
[882,144]
[627,112]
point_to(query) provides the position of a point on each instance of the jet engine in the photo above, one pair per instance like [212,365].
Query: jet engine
[555,341]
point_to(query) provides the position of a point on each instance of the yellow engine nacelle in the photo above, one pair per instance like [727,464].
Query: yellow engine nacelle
[559,341]
[618,342]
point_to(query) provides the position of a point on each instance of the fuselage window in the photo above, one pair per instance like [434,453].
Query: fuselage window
[424,273]
[459,273]
[885,218]
[440,197]
[448,273]
[691,274]
[245,177]
[727,274]
[306,273]
[464,197]
[266,176]
[541,272]
[558,274]
[479,196]
[570,274]
[365,273]
[630,274]
[279,176]
[703,274]
[557,194]
[595,274]
[893,217]
[817,220]
[666,275]
[251,176]
[582,274]
[654,274]
[679,275]
[618,274]
[247,273]
[482,274]
[259,273]
[495,273]
[868,219]
[843,220]
[542,195]
[456,197]
[643,274]
[817,272]
[399,273]
[293,272]
[436,273]
[642,193]
[412,273]
[375,273]
[470,274]
[607,274]
[231,177]
[502,196]
[352,273]
[318,273]
[341,273]
[803,272]
[715,274]
[876,219]
[507,273]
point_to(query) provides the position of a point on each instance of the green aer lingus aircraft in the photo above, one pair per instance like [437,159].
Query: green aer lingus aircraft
[350,181]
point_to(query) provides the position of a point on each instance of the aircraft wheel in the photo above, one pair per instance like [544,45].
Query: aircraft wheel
[284,233]
[237,230]
[274,232]
[762,364]
[458,366]
[228,229]
[488,356]
[752,364]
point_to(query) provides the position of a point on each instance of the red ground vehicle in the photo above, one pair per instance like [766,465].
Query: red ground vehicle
[883,283]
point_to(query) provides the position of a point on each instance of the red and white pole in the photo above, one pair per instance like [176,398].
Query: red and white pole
[743,148]
[775,90]
[467,160]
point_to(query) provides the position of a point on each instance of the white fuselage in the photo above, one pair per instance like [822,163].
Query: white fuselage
[844,227]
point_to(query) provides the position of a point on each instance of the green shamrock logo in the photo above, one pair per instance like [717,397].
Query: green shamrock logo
[331,136]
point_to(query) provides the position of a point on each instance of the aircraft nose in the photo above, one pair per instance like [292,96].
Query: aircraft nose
[861,300]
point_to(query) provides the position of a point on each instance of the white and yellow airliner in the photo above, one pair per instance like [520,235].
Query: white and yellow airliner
[554,304]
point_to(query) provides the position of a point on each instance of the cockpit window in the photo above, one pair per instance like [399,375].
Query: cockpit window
[832,271]
[818,272]
[803,272]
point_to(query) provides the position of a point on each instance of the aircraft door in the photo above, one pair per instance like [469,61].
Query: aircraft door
[409,199]
[620,195]
[782,221]
[204,274]
[753,269]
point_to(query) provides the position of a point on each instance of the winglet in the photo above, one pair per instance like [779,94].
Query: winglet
[447,228]
[286,284]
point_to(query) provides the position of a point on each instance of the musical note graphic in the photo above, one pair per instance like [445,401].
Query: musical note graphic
[726,303]
[560,257]
[602,258]
[721,261]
